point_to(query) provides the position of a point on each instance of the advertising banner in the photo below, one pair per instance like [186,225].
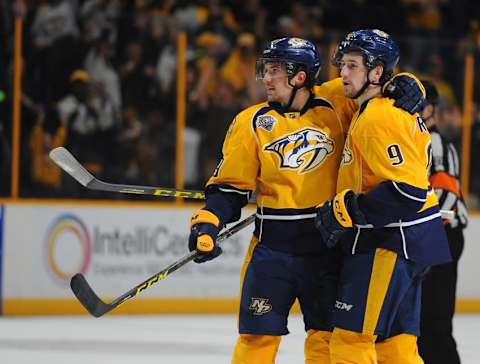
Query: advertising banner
[119,246]
[115,248]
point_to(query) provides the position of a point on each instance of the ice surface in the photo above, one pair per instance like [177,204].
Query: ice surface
[175,339]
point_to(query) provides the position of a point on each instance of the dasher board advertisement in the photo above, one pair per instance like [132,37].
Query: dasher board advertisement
[115,248]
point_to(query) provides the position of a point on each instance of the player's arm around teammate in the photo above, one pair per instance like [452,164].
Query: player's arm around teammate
[385,214]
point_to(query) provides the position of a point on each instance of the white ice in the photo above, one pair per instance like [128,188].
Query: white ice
[159,340]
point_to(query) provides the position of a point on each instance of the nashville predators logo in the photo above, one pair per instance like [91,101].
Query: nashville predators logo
[260,306]
[303,150]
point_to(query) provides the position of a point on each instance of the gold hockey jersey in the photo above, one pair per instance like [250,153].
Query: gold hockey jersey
[290,158]
[386,158]
[385,143]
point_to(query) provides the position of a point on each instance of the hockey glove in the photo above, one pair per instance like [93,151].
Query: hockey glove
[407,91]
[335,218]
[204,228]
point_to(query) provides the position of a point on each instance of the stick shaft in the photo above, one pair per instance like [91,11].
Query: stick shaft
[97,307]
[66,161]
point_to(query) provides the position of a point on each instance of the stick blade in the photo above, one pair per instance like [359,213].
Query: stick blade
[66,161]
[87,297]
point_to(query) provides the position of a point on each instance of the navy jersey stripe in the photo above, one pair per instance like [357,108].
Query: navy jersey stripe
[321,102]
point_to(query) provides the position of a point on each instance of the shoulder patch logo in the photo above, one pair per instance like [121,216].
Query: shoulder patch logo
[260,306]
[303,150]
[266,122]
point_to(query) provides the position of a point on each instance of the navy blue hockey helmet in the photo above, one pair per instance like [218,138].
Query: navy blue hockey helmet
[377,48]
[296,53]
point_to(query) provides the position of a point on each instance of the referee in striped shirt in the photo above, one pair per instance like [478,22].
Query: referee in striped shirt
[436,343]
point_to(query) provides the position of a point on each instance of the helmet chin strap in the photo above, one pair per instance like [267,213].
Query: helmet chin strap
[365,85]
[295,88]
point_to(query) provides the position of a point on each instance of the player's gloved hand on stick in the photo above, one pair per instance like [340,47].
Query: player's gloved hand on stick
[335,218]
[407,91]
[204,228]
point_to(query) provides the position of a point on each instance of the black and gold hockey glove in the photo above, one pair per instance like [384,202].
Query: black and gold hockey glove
[407,91]
[334,218]
[204,228]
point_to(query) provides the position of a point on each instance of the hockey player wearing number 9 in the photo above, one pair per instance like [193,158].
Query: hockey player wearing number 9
[385,214]
[290,148]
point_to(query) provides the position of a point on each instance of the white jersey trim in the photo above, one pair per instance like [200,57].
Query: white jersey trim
[286,217]
[407,195]
[405,223]
[229,190]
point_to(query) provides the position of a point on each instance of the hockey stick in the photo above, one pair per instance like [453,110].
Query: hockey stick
[89,299]
[66,161]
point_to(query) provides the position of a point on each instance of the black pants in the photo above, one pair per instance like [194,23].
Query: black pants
[436,343]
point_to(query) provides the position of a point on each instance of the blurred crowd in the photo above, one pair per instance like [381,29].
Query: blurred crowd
[99,77]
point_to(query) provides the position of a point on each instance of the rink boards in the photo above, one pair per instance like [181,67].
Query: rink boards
[117,246]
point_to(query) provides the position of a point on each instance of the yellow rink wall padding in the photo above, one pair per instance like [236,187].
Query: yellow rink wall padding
[24,307]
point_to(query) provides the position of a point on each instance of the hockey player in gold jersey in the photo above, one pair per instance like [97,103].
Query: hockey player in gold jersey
[288,149]
[385,214]
[285,147]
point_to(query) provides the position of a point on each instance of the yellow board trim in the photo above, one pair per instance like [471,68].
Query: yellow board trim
[29,307]
[21,307]
[382,270]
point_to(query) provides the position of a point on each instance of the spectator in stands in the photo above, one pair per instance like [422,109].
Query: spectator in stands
[128,140]
[155,154]
[224,107]
[135,82]
[98,63]
[98,17]
[221,21]
[251,16]
[90,118]
[214,47]
[239,69]
[55,46]
[46,176]
[424,19]
[166,69]
[449,116]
